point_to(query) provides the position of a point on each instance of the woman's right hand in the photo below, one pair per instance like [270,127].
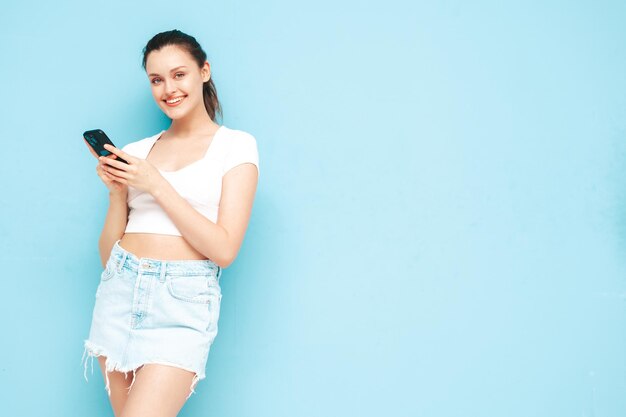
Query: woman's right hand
[115,187]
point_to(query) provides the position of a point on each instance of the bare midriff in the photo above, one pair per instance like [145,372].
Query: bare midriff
[157,246]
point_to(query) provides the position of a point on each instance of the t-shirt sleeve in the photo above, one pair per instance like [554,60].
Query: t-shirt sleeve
[243,148]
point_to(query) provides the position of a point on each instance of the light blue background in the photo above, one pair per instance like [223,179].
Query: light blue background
[440,223]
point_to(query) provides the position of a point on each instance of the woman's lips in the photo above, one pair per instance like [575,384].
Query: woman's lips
[177,102]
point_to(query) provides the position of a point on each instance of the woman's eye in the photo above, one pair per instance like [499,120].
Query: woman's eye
[179,73]
[154,79]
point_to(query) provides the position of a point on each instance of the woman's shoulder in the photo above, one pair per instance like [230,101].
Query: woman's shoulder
[241,148]
[238,137]
[231,131]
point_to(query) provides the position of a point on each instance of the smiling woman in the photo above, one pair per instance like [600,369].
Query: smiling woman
[177,216]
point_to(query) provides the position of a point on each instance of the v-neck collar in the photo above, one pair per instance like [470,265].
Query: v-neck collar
[158,136]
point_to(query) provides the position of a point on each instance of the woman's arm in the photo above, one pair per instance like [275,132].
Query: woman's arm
[114,225]
[219,241]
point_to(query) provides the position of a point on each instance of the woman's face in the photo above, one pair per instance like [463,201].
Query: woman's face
[176,81]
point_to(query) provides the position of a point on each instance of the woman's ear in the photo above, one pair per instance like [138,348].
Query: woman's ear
[206,71]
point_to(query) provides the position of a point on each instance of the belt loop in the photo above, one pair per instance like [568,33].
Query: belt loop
[121,265]
[163,269]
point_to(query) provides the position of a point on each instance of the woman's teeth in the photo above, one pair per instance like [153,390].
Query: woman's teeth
[175,100]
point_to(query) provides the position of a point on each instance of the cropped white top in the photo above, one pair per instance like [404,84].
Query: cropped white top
[200,183]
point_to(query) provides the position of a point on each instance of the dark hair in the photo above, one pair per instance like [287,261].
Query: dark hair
[188,43]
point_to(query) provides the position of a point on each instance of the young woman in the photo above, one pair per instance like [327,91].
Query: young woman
[177,216]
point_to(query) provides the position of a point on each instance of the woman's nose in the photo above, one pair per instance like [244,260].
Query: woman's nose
[170,88]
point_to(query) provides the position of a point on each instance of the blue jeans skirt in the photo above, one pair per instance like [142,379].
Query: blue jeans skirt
[154,311]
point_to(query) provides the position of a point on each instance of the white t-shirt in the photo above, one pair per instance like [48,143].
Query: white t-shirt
[200,183]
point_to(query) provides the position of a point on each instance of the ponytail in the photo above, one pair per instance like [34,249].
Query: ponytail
[211,103]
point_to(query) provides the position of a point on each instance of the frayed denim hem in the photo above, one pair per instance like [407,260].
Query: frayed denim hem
[92,351]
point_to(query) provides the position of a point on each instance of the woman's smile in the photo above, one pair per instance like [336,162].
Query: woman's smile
[175,101]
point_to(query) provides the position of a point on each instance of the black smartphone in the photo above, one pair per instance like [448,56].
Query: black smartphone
[96,139]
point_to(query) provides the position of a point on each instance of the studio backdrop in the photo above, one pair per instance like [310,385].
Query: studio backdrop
[439,229]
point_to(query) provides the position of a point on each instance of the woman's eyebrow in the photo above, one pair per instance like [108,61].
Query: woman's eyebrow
[172,70]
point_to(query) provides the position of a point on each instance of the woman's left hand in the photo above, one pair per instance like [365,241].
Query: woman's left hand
[138,173]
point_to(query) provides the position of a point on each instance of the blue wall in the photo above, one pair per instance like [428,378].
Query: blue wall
[439,230]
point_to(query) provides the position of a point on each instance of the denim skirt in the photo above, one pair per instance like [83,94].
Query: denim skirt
[154,311]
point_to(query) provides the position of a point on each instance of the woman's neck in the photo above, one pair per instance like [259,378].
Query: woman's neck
[194,124]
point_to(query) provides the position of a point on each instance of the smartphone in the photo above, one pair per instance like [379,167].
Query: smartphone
[96,139]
